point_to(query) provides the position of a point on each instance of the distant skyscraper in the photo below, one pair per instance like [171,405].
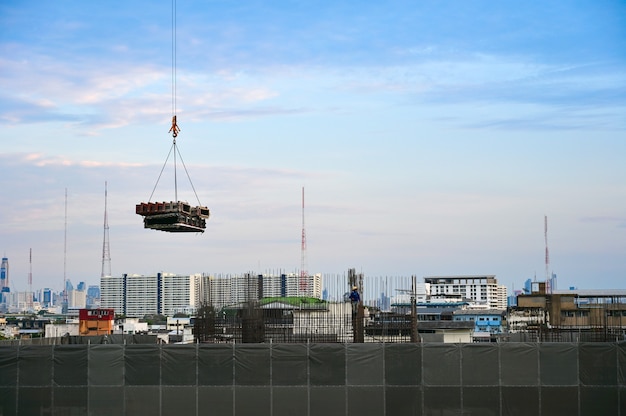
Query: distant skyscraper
[528,287]
[93,296]
[76,297]
[4,274]
[93,291]
[46,297]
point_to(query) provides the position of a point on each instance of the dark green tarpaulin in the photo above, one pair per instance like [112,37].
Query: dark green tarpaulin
[314,379]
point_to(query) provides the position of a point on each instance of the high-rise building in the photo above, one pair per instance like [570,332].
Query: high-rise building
[528,287]
[93,296]
[4,274]
[93,291]
[46,297]
[244,288]
[225,290]
[112,293]
[136,295]
[179,293]
[77,298]
[141,295]
[217,290]
[283,285]
[503,300]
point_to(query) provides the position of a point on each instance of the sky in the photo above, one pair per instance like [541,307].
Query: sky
[431,138]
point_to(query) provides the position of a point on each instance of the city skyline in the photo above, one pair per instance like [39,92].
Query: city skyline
[431,138]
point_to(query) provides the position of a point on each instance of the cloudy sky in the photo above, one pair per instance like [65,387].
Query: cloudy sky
[431,137]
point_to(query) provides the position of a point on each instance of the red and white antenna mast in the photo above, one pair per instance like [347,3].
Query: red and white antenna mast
[64,306]
[303,263]
[545,232]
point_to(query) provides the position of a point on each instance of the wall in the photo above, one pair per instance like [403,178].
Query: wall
[314,379]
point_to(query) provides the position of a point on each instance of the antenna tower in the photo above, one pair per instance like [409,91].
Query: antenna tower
[65,258]
[545,232]
[106,253]
[30,279]
[303,262]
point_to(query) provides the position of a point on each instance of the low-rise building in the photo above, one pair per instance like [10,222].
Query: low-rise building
[489,324]
[575,315]
[95,321]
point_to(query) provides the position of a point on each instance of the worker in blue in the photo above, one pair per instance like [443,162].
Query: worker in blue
[354,295]
[355,299]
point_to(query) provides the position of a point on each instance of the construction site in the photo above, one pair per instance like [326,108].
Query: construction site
[364,352]
[295,355]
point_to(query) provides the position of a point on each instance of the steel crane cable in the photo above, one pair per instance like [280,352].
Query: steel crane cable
[174,125]
[174,129]
[184,166]
[174,60]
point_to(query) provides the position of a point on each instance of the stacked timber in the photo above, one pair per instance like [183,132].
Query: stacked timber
[173,217]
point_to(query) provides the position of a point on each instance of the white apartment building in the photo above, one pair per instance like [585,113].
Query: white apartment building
[230,289]
[112,293]
[217,290]
[291,285]
[179,293]
[141,295]
[77,298]
[503,297]
[135,295]
[481,289]
[244,287]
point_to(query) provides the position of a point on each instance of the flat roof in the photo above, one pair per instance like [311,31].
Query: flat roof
[480,312]
[463,276]
[591,292]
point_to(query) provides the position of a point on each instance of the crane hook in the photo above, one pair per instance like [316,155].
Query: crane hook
[174,129]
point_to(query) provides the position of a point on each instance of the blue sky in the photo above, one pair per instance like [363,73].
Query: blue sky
[431,137]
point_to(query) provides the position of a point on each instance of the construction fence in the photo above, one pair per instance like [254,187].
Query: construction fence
[314,379]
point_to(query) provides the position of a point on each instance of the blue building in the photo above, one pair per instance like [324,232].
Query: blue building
[488,323]
[4,274]
[528,287]
[47,298]
[93,296]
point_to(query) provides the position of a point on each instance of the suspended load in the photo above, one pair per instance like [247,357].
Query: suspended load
[173,217]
